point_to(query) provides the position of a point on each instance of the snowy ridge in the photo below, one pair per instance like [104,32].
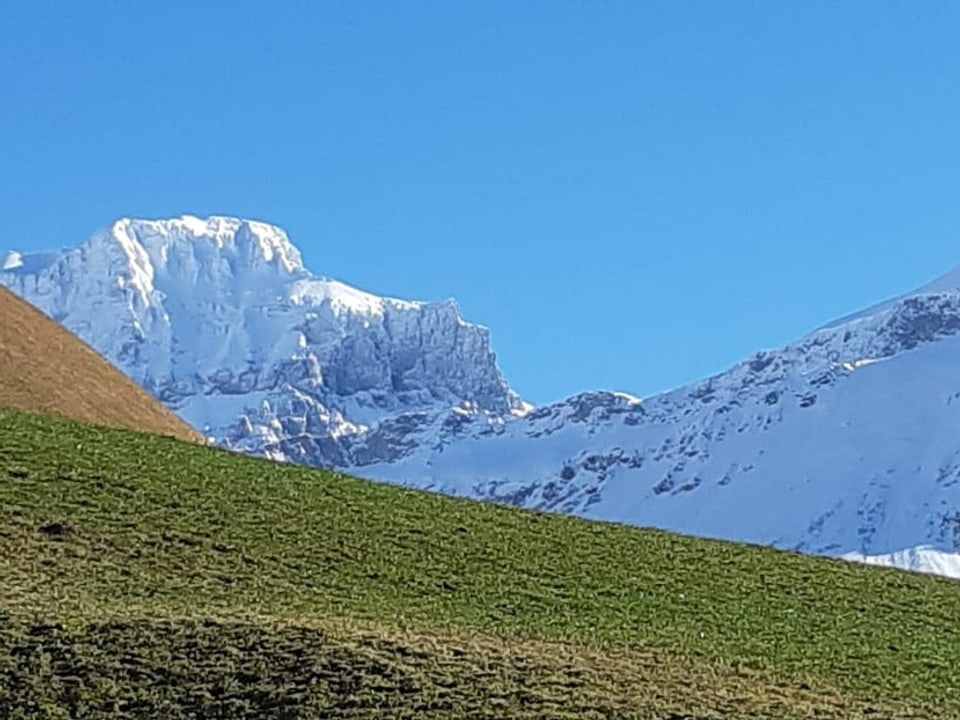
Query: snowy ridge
[842,443]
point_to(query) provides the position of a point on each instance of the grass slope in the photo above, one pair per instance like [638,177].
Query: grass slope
[44,367]
[144,577]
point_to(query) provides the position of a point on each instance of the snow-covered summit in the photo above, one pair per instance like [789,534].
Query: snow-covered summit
[948,283]
[239,243]
[219,318]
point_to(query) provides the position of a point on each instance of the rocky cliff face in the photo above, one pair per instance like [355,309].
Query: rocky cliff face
[842,443]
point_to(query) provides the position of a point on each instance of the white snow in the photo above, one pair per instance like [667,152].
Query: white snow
[11,261]
[316,291]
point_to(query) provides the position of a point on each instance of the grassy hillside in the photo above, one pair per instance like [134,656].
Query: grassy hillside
[43,367]
[143,577]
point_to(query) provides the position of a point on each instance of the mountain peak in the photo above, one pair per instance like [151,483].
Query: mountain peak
[238,239]
[219,318]
[946,284]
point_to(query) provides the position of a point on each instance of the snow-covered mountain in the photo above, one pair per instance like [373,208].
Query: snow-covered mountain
[845,442]
[221,321]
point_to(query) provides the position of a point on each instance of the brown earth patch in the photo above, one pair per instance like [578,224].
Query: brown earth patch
[45,368]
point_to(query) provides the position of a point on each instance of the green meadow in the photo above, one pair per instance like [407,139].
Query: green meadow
[144,577]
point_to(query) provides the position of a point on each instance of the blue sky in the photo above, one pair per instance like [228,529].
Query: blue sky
[631,195]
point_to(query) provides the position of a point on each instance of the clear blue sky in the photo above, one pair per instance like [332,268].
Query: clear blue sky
[631,195]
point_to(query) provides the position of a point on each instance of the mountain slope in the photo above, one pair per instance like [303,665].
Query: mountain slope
[841,443]
[143,577]
[45,368]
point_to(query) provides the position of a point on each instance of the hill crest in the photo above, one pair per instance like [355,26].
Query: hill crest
[45,368]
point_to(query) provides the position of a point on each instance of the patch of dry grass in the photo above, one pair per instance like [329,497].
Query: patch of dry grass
[45,368]
[150,668]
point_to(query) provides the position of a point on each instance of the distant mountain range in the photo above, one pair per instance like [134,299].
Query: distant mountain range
[845,442]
